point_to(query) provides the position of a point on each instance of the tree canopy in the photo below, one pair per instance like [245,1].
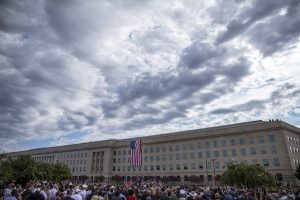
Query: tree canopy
[25,168]
[246,175]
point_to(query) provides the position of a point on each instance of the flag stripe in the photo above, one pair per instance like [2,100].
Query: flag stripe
[136,153]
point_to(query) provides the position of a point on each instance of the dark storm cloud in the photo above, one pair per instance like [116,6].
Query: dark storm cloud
[181,87]
[269,35]
[257,11]
[198,54]
[284,91]
[248,106]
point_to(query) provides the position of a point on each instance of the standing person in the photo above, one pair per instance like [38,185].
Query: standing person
[68,195]
[116,196]
[76,195]
[131,195]
[52,192]
[83,192]
[8,195]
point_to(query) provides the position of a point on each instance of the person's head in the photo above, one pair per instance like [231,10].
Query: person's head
[117,193]
[130,192]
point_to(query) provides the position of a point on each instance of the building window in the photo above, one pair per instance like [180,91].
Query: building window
[200,155]
[164,168]
[193,166]
[178,166]
[164,157]
[145,158]
[170,148]
[151,167]
[263,151]
[171,167]
[224,143]
[177,157]
[114,160]
[199,145]
[243,152]
[276,162]
[177,147]
[124,153]
[157,167]
[233,152]
[242,141]
[157,158]
[216,154]
[209,178]
[183,147]
[232,141]
[225,153]
[115,153]
[208,165]
[252,150]
[164,149]
[201,165]
[151,158]
[207,145]
[157,149]
[215,143]
[145,168]
[192,156]
[207,154]
[185,166]
[184,156]
[254,161]
[271,138]
[217,165]
[261,139]
[251,140]
[114,168]
[170,157]
[265,162]
[151,149]
[146,150]
[191,146]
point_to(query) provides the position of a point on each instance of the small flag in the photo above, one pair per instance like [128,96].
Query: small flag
[136,153]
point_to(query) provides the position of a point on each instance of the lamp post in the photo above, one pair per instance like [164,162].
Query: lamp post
[213,160]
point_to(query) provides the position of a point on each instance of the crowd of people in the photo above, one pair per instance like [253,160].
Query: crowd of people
[147,191]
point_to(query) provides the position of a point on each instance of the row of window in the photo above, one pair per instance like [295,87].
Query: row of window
[195,166]
[73,162]
[78,169]
[208,154]
[48,158]
[293,140]
[294,150]
[72,155]
[191,146]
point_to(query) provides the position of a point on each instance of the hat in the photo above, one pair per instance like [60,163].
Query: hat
[70,184]
[193,193]
[182,192]
[76,190]
[7,192]
[94,197]
[84,186]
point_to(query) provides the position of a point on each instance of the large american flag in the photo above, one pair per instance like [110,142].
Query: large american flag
[136,153]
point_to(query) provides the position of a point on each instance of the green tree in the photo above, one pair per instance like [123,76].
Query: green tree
[246,175]
[25,168]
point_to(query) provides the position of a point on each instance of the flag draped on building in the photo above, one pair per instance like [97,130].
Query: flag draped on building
[136,153]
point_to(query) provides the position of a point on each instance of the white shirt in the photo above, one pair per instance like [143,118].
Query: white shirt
[52,193]
[83,194]
[77,196]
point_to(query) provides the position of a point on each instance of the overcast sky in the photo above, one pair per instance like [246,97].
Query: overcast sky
[80,71]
